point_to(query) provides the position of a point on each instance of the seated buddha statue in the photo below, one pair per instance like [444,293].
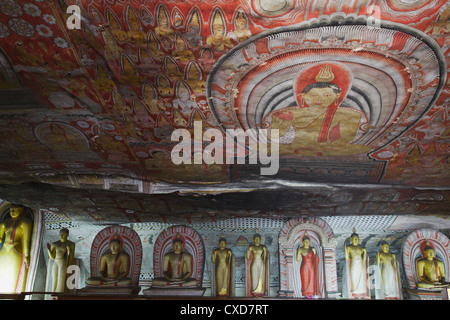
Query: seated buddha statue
[177,267]
[114,266]
[431,271]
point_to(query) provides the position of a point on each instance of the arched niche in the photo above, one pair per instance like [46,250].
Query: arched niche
[130,244]
[192,243]
[412,250]
[322,238]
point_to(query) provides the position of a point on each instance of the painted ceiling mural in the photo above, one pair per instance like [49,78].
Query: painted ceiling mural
[91,92]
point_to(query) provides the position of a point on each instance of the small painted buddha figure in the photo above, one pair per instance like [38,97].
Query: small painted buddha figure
[241,32]
[181,51]
[163,28]
[183,101]
[114,267]
[431,270]
[135,33]
[177,267]
[218,41]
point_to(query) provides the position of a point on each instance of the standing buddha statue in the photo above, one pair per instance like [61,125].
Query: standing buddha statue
[15,252]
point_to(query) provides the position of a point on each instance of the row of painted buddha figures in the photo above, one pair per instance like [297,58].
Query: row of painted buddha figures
[178,264]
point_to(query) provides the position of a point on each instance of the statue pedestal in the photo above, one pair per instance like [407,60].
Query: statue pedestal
[174,291]
[110,290]
[333,295]
[422,294]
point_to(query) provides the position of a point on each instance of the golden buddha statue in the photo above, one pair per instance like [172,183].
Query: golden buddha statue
[257,258]
[387,262]
[114,266]
[431,270]
[356,260]
[319,125]
[15,252]
[222,260]
[62,252]
[177,267]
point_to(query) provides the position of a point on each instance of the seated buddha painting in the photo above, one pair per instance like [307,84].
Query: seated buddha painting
[320,124]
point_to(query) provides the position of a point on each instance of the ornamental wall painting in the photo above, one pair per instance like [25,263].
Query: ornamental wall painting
[357,89]
[335,92]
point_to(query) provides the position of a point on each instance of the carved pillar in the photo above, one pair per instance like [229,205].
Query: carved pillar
[330,268]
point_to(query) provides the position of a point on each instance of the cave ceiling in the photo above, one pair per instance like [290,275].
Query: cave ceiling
[121,110]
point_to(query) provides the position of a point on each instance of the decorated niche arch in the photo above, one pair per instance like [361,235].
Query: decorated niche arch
[322,238]
[412,250]
[192,243]
[130,243]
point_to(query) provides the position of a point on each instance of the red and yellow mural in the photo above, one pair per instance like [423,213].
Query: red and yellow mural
[91,91]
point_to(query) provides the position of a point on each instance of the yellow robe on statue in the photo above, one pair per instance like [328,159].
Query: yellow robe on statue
[12,263]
